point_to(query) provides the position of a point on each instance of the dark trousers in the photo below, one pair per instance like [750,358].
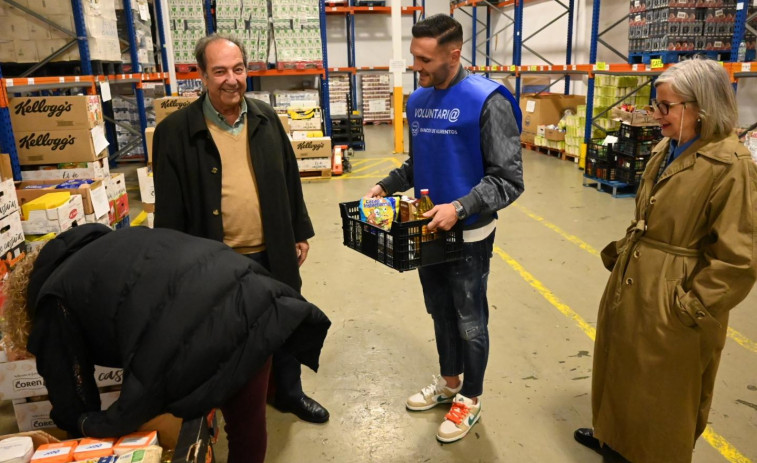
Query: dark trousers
[244,415]
[455,296]
[286,383]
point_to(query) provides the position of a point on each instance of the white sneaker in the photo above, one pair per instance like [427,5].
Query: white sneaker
[432,395]
[461,417]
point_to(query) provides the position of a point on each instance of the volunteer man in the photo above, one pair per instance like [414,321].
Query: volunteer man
[464,148]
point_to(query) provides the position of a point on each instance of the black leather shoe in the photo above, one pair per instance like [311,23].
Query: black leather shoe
[585,436]
[305,409]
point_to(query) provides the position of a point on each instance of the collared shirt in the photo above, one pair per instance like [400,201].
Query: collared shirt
[218,119]
[675,150]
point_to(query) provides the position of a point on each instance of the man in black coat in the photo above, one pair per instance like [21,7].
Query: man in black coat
[189,320]
[224,169]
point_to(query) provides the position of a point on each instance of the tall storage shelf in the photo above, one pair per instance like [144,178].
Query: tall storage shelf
[374,78]
[744,30]
[91,27]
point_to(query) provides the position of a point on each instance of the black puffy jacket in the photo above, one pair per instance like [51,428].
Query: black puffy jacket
[188,319]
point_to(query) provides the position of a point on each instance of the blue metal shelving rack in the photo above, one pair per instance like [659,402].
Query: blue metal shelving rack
[7,141]
[325,107]
[519,42]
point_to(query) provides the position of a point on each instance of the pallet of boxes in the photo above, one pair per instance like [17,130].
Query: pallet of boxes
[163,107]
[304,123]
[65,178]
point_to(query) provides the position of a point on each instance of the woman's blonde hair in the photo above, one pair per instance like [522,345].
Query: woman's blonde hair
[707,83]
[15,324]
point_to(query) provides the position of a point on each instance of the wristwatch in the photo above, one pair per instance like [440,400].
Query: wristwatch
[459,210]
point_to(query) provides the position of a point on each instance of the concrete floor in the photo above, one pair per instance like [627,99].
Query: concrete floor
[545,284]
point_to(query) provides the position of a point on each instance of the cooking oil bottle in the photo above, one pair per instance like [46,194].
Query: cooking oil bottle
[424,205]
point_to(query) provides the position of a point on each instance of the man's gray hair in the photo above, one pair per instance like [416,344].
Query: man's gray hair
[707,83]
[203,43]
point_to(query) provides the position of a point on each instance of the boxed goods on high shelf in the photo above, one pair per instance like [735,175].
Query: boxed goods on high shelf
[187,27]
[26,39]
[673,28]
[248,22]
[376,89]
[297,34]
[140,14]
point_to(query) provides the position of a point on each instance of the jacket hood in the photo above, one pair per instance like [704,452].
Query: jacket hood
[55,253]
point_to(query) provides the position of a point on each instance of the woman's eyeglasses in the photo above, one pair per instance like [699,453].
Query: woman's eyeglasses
[663,107]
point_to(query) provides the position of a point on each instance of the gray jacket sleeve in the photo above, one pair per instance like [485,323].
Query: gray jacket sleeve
[503,163]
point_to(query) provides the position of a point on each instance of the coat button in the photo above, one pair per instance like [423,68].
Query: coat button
[214,170]
[636,254]
[652,200]
[700,314]
[629,281]
[215,212]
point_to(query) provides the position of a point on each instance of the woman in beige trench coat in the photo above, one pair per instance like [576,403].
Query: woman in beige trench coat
[687,259]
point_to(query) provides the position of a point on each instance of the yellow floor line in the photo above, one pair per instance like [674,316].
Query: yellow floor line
[718,442]
[547,294]
[572,238]
[736,336]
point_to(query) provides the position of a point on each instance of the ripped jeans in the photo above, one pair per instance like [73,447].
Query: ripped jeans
[455,296]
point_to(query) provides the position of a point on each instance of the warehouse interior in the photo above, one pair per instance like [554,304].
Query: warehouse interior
[546,278]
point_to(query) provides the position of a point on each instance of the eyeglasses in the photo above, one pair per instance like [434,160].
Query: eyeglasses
[663,107]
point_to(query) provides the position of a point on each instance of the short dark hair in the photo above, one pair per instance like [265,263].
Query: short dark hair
[445,29]
[203,43]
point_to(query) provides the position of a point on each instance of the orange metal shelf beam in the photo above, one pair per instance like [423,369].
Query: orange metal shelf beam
[370,9]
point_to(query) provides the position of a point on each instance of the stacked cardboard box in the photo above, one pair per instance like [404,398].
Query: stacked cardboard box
[140,15]
[12,244]
[297,33]
[247,21]
[376,89]
[21,383]
[55,129]
[545,109]
[26,39]
[339,92]
[187,27]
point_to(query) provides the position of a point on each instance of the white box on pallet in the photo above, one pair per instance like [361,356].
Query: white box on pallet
[146,185]
[314,163]
[55,220]
[97,170]
[32,415]
[20,379]
[8,198]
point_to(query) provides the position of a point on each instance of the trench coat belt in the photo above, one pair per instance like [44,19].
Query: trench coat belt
[671,249]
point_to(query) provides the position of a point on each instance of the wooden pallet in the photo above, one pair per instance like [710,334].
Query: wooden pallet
[548,151]
[615,188]
[315,174]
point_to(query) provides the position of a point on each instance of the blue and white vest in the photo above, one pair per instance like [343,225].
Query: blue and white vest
[446,136]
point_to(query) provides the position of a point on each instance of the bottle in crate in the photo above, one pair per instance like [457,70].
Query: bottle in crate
[424,205]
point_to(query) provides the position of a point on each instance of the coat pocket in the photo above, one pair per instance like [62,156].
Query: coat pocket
[691,312]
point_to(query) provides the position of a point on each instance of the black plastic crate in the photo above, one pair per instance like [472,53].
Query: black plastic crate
[403,247]
[640,133]
[632,162]
[628,176]
[599,152]
[632,147]
[602,170]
